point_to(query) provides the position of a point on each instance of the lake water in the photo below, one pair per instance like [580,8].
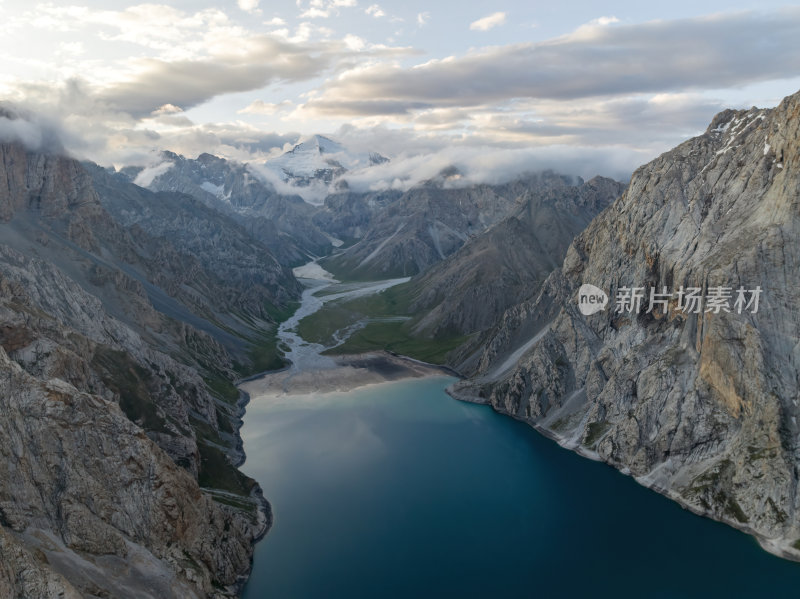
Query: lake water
[398,491]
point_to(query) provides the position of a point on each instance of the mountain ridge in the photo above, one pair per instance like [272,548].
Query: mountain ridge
[696,406]
[106,390]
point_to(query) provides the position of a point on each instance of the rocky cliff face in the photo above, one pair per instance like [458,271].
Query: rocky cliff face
[470,290]
[250,278]
[118,421]
[701,406]
[90,498]
[426,224]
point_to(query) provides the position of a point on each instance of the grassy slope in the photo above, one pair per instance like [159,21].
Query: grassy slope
[391,335]
[396,337]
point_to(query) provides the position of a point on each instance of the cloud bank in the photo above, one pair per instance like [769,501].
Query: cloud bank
[33,131]
[597,60]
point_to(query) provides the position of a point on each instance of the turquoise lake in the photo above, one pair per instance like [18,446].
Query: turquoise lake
[397,490]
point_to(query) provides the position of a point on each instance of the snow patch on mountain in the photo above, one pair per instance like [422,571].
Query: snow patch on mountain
[311,169]
[321,158]
[216,190]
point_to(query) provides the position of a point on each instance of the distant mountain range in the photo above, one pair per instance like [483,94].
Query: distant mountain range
[363,236]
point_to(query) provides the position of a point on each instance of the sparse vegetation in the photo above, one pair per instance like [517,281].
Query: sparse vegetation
[392,335]
[595,431]
[132,384]
[216,472]
[708,490]
[264,355]
[222,388]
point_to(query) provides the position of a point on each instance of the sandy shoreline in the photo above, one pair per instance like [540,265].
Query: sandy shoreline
[349,372]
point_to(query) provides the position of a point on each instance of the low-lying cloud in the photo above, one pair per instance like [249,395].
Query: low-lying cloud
[315,193]
[492,166]
[34,132]
[148,174]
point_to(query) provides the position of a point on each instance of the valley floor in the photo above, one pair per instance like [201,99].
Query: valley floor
[344,374]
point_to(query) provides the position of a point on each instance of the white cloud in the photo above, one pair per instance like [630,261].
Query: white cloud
[248,5]
[375,11]
[148,174]
[71,49]
[70,116]
[491,165]
[614,93]
[315,13]
[314,193]
[18,130]
[705,53]
[322,9]
[175,33]
[187,83]
[167,109]
[353,42]
[266,108]
[606,20]
[488,22]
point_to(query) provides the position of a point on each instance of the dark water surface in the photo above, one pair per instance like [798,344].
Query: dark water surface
[398,491]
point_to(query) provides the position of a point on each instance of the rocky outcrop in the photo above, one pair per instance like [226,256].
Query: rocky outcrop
[86,490]
[118,419]
[347,215]
[701,406]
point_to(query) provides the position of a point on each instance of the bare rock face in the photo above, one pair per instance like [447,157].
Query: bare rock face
[470,290]
[250,277]
[118,422]
[81,471]
[426,224]
[700,406]
[51,185]
[22,574]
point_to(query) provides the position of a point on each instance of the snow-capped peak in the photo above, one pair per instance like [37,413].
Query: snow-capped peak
[318,144]
[319,158]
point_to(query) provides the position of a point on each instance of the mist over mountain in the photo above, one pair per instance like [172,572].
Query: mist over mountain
[319,165]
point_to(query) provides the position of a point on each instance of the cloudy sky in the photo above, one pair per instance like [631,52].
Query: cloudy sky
[494,87]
